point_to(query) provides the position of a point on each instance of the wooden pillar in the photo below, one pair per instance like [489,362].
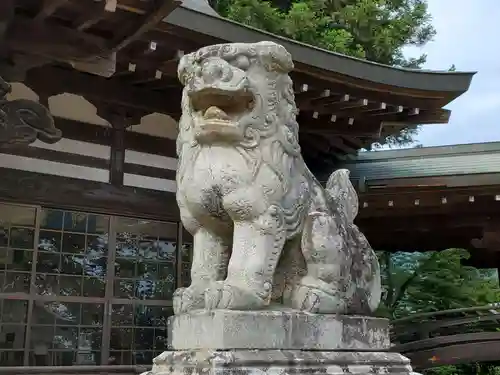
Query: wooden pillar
[117,156]
[120,119]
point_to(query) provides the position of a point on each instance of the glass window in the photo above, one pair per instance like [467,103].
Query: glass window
[187,252]
[66,333]
[13,317]
[72,254]
[69,282]
[138,333]
[17,234]
[145,259]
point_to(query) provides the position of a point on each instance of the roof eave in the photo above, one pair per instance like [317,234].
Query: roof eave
[454,83]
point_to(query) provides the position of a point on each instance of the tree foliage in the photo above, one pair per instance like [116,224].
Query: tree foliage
[376,30]
[433,281]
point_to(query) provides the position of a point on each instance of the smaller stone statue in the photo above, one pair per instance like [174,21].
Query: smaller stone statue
[265,231]
[23,121]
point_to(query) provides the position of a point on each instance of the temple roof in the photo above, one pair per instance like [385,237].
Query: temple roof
[198,16]
[345,103]
[431,198]
[200,6]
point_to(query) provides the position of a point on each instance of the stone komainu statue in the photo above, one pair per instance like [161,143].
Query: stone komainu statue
[265,231]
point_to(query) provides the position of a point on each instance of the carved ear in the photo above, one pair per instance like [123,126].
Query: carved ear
[341,190]
[185,62]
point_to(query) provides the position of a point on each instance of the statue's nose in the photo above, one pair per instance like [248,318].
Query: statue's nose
[216,71]
[212,73]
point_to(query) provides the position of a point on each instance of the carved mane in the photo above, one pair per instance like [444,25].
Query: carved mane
[271,139]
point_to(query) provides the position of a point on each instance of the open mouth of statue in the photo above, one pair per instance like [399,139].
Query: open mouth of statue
[218,112]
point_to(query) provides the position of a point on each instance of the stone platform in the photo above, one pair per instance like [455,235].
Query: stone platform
[223,342]
[290,330]
[279,362]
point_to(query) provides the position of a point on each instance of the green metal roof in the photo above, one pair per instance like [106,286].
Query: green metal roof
[479,158]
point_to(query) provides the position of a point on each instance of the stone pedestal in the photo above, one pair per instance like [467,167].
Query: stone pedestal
[278,343]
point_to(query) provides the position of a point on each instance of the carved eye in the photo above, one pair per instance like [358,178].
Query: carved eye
[242,62]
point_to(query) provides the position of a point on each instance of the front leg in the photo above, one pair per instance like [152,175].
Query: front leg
[257,245]
[210,256]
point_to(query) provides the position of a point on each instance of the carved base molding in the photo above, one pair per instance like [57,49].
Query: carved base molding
[278,342]
[279,362]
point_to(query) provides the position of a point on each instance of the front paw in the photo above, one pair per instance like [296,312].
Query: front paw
[188,299]
[226,296]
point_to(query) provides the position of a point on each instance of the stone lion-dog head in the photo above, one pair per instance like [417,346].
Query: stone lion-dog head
[241,94]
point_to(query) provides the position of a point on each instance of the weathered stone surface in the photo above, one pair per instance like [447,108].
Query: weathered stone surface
[264,228]
[279,362]
[226,329]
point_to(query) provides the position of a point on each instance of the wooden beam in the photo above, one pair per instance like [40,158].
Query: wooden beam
[119,122]
[397,206]
[456,354]
[52,41]
[323,125]
[421,242]
[347,107]
[110,91]
[146,24]
[82,195]
[7,12]
[117,159]
[435,342]
[304,74]
[404,118]
[80,131]
[49,7]
[57,156]
[338,143]
[90,14]
[354,141]
[425,223]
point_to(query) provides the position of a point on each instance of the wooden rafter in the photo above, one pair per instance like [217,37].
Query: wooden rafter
[48,8]
[149,22]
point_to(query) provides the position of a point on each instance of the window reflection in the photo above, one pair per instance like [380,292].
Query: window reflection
[69,280]
[66,333]
[186,252]
[72,254]
[13,317]
[138,333]
[17,233]
[145,259]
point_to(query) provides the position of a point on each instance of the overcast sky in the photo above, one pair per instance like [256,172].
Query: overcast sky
[467,36]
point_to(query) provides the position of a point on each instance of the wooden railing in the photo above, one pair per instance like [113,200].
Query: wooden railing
[73,370]
[458,336]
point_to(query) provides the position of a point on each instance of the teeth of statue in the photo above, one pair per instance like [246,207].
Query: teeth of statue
[214,112]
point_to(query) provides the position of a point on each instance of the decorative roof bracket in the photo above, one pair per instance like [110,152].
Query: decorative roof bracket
[23,121]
